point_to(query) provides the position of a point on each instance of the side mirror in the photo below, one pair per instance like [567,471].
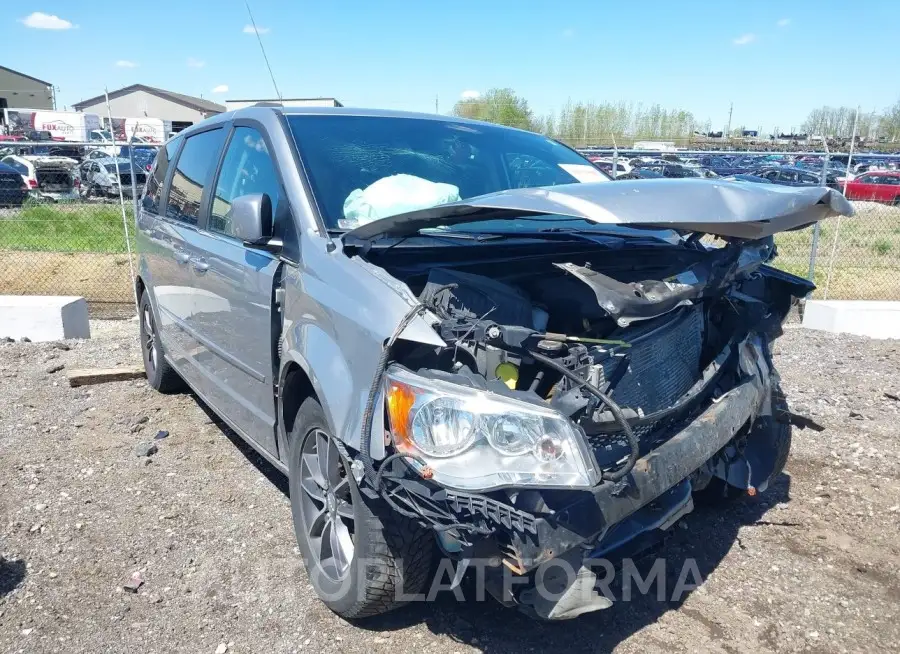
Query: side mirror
[251,219]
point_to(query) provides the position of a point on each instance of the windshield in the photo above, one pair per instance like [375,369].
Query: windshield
[101,135]
[123,167]
[420,162]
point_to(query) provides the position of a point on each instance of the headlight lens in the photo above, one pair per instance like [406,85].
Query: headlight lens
[480,440]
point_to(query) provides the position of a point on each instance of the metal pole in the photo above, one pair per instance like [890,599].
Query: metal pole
[814,246]
[112,134]
[134,194]
[615,168]
[837,227]
[850,156]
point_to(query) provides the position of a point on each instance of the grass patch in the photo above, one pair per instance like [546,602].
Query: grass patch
[65,228]
[882,246]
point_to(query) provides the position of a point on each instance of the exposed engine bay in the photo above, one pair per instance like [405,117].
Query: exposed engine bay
[640,327]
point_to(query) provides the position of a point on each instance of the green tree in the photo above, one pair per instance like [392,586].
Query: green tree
[501,106]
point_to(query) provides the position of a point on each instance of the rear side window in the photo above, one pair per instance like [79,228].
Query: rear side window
[246,170]
[155,183]
[195,166]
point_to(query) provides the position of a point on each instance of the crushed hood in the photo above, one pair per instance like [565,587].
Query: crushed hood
[724,208]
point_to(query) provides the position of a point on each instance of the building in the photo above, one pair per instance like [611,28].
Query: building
[138,101]
[21,91]
[231,105]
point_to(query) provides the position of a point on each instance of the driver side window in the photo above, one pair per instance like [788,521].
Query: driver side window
[246,170]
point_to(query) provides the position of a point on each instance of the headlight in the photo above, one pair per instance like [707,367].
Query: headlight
[480,440]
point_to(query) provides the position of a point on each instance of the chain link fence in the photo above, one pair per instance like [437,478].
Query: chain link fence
[63,229]
[63,224]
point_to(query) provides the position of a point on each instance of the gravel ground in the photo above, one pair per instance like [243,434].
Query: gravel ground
[812,564]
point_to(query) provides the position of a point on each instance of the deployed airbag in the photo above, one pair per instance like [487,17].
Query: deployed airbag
[393,195]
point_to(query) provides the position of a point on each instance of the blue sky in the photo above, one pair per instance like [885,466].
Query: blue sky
[774,60]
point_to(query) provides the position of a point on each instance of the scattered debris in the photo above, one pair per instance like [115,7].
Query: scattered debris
[161,434]
[87,376]
[145,449]
[135,582]
[7,339]
[24,339]
[54,367]
[27,632]
[62,345]
[222,648]
[892,396]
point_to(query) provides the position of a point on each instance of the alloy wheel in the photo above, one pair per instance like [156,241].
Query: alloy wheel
[150,350]
[326,506]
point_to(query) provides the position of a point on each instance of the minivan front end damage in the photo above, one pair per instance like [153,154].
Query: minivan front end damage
[581,397]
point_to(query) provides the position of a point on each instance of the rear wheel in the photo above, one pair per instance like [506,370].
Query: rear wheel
[896,201]
[160,375]
[359,555]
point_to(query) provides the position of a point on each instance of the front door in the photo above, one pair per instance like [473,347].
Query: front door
[233,300]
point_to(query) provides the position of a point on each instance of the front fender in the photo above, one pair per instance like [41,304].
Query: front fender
[337,385]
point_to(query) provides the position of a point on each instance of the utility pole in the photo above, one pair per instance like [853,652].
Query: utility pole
[728,129]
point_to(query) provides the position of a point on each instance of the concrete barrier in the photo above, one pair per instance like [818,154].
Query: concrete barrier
[44,317]
[872,318]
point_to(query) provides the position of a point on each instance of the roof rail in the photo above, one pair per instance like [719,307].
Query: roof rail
[268,104]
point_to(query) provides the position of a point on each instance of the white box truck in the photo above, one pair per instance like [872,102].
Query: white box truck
[62,125]
[152,130]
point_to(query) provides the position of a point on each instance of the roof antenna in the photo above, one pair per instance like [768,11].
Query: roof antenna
[261,47]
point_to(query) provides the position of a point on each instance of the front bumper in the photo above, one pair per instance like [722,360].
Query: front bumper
[656,493]
[589,519]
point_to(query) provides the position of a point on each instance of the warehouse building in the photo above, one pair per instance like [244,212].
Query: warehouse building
[21,91]
[138,100]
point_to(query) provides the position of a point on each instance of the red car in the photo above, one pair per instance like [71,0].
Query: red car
[877,185]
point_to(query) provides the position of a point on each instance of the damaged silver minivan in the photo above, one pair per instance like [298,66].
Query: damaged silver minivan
[461,340]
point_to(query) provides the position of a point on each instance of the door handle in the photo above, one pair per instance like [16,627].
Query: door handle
[182,257]
[200,265]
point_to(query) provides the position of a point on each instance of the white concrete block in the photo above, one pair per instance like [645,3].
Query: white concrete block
[44,317]
[872,318]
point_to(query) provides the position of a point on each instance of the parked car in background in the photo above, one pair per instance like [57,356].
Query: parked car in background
[143,155]
[640,173]
[606,165]
[445,339]
[877,186]
[13,189]
[791,176]
[105,176]
[48,178]
[719,165]
[744,177]
[676,171]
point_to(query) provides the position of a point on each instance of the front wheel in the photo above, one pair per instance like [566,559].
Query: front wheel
[160,375]
[360,556]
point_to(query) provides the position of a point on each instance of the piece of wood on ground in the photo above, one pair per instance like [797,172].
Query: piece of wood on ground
[87,376]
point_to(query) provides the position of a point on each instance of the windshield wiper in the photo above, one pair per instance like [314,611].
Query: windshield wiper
[463,236]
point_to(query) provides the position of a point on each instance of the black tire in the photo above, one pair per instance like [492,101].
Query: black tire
[896,201]
[160,375]
[391,554]
[720,492]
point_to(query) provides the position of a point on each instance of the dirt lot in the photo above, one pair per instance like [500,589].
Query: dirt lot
[813,564]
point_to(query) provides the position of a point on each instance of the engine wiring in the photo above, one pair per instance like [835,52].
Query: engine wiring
[614,408]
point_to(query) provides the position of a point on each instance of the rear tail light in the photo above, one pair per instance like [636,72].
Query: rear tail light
[32,183]
[77,183]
